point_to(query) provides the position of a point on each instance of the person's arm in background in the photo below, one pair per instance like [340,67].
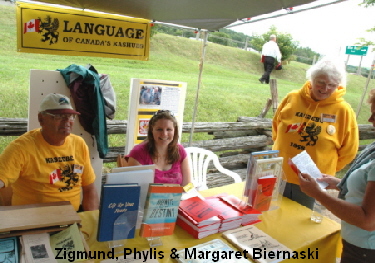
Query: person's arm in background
[90,199]
[186,173]
[349,147]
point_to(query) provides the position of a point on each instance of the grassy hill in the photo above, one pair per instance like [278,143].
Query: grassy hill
[230,86]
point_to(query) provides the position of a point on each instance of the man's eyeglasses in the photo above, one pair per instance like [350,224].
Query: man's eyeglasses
[59,117]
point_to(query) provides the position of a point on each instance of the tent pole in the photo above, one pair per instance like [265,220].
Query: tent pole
[204,45]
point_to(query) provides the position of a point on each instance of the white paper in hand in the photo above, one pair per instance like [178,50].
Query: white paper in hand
[306,165]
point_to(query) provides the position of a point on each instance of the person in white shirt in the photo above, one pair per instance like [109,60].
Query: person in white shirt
[270,54]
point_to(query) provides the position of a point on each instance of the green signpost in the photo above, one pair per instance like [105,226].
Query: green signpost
[356,50]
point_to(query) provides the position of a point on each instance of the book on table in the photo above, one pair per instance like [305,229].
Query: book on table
[198,218]
[230,217]
[140,174]
[27,219]
[161,210]
[264,191]
[118,211]
[251,164]
[255,242]
[36,248]
[199,211]
[195,231]
[69,238]
[249,214]
[9,249]
[261,168]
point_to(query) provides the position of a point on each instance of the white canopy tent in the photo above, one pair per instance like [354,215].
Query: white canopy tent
[206,15]
[201,14]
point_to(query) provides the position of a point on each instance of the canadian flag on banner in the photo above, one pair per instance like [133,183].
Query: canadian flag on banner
[54,176]
[293,127]
[31,26]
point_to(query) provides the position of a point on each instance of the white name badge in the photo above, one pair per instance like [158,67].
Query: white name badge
[328,117]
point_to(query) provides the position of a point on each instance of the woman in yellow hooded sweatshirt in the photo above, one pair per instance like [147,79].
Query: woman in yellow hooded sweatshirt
[316,118]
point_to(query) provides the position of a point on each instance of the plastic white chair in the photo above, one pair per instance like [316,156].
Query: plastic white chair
[199,160]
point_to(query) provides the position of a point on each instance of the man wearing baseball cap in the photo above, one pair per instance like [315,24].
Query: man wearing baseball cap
[50,164]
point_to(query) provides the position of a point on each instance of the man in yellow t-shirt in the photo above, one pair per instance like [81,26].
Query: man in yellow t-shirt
[50,164]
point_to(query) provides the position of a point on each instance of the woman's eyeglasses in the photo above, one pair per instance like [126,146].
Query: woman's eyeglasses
[164,111]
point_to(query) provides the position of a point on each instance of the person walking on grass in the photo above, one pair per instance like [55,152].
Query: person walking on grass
[270,54]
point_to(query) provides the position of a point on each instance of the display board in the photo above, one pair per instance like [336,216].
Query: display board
[44,82]
[147,96]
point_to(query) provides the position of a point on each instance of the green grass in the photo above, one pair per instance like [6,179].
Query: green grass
[230,86]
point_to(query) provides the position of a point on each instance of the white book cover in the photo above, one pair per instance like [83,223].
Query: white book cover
[255,242]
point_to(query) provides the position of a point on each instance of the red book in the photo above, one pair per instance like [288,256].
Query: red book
[213,221]
[250,215]
[199,211]
[263,195]
[227,213]
[196,232]
[231,218]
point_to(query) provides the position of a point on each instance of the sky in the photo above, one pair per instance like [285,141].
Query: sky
[326,30]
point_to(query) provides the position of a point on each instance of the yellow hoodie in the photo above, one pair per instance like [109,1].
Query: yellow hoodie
[326,129]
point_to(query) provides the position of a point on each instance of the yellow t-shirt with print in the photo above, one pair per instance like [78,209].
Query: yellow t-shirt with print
[39,172]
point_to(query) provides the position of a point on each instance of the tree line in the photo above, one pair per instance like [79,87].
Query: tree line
[290,49]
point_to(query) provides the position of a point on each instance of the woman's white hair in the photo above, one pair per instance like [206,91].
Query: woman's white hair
[331,67]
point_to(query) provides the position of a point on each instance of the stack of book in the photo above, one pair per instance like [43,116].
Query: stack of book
[198,218]
[203,217]
[230,217]
[249,214]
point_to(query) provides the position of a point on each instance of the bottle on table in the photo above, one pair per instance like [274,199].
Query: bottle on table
[317,212]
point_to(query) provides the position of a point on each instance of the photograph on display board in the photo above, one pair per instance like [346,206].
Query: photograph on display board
[150,95]
[143,127]
[158,97]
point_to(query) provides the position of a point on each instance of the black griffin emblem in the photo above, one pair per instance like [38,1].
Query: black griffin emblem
[312,131]
[48,28]
[68,177]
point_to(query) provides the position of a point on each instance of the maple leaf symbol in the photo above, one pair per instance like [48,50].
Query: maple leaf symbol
[31,25]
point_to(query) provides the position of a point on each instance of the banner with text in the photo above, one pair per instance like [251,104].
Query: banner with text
[50,30]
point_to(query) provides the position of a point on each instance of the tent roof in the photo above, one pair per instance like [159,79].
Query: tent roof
[203,14]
